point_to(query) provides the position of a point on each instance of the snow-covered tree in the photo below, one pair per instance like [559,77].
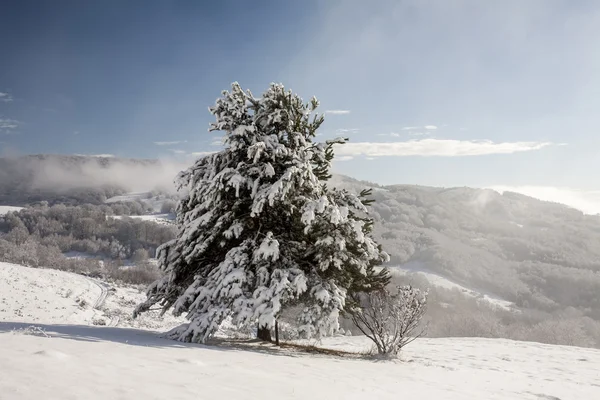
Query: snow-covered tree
[259,230]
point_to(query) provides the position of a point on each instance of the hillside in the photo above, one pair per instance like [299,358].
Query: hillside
[536,254]
[72,359]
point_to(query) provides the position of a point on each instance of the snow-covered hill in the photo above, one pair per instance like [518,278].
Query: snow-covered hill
[48,296]
[62,356]
[114,363]
[508,247]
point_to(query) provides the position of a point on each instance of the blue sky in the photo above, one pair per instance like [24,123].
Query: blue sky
[450,93]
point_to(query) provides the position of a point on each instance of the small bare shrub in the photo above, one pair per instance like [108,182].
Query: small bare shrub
[390,320]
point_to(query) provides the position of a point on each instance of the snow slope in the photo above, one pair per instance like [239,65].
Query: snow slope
[416,269]
[76,362]
[6,209]
[38,295]
[46,296]
[65,358]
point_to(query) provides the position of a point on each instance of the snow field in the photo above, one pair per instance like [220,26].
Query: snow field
[115,363]
[66,358]
[46,296]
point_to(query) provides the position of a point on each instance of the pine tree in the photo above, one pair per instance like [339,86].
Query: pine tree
[260,230]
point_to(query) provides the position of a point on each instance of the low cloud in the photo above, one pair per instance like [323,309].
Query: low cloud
[5,97]
[96,155]
[436,147]
[170,143]
[586,201]
[337,112]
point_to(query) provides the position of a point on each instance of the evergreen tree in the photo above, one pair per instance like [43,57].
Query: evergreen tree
[260,230]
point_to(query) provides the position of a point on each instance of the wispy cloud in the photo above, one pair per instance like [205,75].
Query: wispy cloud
[352,130]
[5,97]
[170,143]
[415,128]
[436,147]
[217,142]
[7,125]
[177,151]
[391,134]
[337,112]
[343,158]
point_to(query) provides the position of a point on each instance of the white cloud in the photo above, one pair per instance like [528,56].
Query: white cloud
[415,128]
[170,143]
[585,201]
[392,134]
[344,158]
[177,151]
[352,130]
[6,97]
[217,142]
[8,124]
[436,147]
[337,112]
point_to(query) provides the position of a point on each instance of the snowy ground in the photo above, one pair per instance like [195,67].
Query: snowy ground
[38,295]
[46,296]
[66,358]
[78,362]
[6,209]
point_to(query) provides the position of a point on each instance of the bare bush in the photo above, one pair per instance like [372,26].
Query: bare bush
[390,320]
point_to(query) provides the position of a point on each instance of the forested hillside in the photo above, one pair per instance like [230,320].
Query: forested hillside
[536,254]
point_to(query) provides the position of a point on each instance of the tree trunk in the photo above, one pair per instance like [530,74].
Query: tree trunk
[263,333]
[276,333]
